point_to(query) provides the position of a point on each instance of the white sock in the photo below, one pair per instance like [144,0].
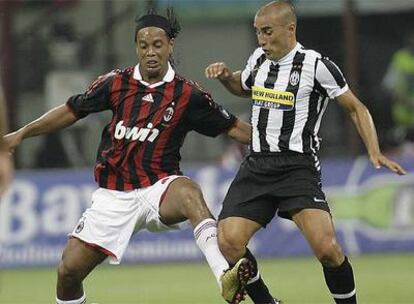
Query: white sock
[81,300]
[205,235]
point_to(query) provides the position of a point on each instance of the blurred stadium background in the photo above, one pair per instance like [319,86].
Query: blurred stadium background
[52,49]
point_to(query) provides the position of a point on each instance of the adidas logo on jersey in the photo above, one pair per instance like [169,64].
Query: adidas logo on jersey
[148,98]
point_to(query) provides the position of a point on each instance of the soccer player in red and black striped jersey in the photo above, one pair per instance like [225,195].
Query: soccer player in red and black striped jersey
[140,182]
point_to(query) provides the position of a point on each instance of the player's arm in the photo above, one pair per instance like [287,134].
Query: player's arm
[6,165]
[55,119]
[3,119]
[364,123]
[230,80]
[240,131]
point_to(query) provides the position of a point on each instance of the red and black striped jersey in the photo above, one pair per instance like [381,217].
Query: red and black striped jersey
[142,142]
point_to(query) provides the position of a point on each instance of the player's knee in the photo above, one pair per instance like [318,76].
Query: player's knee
[231,245]
[68,274]
[329,252]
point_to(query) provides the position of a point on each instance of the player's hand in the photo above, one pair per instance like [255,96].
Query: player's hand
[12,140]
[380,160]
[218,70]
[6,171]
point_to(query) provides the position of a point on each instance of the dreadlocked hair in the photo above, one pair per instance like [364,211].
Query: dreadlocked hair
[152,11]
[175,25]
[171,18]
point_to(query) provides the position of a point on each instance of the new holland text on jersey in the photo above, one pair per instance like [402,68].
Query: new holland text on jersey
[273,99]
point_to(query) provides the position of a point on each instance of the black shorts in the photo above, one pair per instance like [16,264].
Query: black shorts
[266,184]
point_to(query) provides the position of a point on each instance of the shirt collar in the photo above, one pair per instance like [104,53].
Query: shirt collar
[168,77]
[291,54]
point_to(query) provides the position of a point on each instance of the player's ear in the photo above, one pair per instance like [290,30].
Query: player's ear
[171,46]
[292,27]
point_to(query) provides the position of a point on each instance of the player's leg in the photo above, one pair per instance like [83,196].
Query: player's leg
[318,229]
[103,231]
[184,200]
[78,260]
[256,287]
[234,236]
[248,206]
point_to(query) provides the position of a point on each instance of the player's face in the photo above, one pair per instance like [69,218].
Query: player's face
[273,36]
[154,49]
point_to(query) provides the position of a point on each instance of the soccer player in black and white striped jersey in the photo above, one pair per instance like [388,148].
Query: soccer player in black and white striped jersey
[290,87]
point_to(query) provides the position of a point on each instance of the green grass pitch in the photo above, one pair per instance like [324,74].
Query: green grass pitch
[380,279]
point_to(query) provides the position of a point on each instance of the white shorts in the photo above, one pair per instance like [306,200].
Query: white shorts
[116,215]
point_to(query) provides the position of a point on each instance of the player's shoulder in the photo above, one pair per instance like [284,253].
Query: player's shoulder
[128,71]
[317,59]
[114,74]
[257,58]
[314,54]
[197,88]
[108,77]
[257,53]
[310,53]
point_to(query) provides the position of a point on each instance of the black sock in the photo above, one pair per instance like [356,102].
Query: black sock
[257,290]
[340,281]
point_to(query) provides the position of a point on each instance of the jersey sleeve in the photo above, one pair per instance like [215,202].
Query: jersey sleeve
[246,75]
[253,64]
[207,117]
[330,78]
[96,98]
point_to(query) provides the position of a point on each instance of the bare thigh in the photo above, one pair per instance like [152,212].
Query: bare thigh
[318,228]
[184,200]
[82,257]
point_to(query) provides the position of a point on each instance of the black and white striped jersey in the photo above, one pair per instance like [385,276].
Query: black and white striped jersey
[289,98]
